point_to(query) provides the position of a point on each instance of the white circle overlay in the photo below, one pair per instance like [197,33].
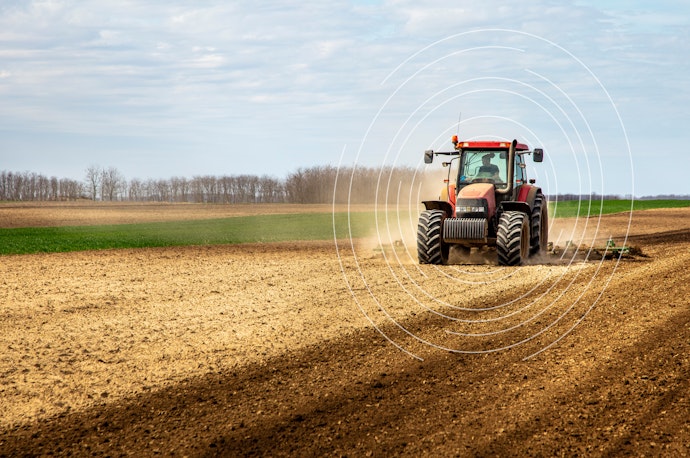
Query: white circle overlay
[554,101]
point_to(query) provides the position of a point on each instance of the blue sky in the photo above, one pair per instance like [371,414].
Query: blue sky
[168,88]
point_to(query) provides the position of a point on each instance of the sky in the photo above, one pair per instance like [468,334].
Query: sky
[168,88]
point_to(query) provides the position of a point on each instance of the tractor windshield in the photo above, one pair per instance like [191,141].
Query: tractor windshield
[482,166]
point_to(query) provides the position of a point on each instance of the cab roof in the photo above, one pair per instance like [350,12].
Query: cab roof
[491,145]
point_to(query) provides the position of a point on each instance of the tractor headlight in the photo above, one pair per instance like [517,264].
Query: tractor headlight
[469,209]
[472,208]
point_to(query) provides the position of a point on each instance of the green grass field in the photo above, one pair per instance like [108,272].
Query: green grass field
[251,229]
[247,229]
[586,208]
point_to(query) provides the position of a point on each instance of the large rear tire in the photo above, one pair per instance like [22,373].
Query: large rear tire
[430,246]
[513,238]
[540,225]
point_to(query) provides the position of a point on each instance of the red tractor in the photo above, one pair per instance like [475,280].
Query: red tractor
[491,203]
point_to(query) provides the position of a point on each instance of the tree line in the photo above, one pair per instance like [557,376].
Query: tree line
[318,184]
[587,197]
[310,185]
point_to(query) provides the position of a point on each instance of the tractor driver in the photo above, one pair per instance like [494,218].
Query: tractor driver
[487,168]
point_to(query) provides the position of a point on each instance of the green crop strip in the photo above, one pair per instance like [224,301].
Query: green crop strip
[258,229]
[594,207]
[247,229]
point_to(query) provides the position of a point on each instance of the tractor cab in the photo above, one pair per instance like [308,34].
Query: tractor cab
[499,163]
[483,166]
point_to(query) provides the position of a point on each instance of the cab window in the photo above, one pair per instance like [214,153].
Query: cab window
[519,172]
[486,166]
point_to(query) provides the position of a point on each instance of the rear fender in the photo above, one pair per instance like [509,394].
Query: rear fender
[527,194]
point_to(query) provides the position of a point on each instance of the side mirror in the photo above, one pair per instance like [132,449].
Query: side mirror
[428,156]
[538,155]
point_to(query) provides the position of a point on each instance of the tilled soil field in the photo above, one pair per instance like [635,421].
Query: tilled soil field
[318,348]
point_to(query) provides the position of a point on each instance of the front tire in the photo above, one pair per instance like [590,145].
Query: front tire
[540,225]
[430,246]
[513,238]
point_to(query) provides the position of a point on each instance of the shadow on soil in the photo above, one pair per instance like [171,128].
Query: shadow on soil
[359,395]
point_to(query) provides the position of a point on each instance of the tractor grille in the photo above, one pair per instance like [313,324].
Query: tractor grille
[464,229]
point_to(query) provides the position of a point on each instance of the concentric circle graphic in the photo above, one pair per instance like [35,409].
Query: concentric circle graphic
[488,84]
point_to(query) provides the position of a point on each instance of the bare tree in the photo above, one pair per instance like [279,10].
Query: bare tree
[184,190]
[54,188]
[18,187]
[295,186]
[196,189]
[179,189]
[209,188]
[93,180]
[135,191]
[163,190]
[112,183]
[270,190]
[151,190]
[70,189]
